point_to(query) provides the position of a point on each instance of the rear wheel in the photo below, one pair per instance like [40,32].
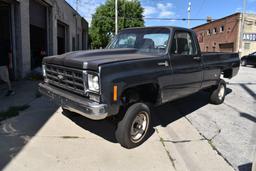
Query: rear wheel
[132,130]
[218,95]
[243,63]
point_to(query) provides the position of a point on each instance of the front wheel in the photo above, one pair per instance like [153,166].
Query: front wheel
[132,130]
[218,95]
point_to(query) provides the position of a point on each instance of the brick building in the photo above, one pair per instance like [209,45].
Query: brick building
[224,35]
[30,27]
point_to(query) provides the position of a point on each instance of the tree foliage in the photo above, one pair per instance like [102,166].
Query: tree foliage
[103,21]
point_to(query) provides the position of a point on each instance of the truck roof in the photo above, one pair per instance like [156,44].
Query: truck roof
[157,27]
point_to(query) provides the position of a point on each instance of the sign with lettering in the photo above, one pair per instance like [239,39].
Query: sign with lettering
[249,36]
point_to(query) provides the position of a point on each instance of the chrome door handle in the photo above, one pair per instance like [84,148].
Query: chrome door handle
[197,58]
[165,63]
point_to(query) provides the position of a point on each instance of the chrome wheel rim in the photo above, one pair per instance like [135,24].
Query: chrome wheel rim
[139,127]
[221,92]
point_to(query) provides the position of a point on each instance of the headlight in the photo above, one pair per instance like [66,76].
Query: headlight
[44,70]
[93,83]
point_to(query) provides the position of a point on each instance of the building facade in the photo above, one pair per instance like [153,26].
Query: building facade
[32,29]
[229,34]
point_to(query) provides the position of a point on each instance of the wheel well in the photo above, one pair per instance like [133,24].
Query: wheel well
[227,73]
[143,93]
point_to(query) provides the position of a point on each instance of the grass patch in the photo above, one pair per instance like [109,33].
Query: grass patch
[12,111]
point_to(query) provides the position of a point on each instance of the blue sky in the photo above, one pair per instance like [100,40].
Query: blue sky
[175,9]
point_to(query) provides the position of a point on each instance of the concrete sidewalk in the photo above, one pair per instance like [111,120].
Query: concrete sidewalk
[42,138]
[231,126]
[25,92]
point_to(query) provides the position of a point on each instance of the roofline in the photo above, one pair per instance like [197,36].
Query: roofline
[75,11]
[154,27]
[237,13]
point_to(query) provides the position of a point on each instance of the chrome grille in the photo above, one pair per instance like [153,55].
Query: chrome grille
[66,78]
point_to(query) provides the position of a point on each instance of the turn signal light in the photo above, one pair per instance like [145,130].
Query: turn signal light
[115,93]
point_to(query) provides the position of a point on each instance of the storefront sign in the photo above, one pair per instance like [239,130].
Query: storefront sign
[249,36]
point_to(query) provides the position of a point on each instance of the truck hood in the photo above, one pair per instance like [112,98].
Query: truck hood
[94,58]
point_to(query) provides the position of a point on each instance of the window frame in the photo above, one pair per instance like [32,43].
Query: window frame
[208,32]
[222,28]
[193,43]
[214,30]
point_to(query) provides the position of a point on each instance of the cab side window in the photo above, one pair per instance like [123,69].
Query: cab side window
[183,44]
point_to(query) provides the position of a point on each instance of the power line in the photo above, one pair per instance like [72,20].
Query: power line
[158,18]
[177,19]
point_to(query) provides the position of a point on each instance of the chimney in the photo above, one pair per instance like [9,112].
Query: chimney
[209,19]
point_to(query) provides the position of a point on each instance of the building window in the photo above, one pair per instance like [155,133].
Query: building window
[247,46]
[249,22]
[222,29]
[208,32]
[214,31]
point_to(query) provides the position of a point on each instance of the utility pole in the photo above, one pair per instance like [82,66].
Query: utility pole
[116,17]
[242,27]
[189,12]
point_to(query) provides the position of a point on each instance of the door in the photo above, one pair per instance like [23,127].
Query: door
[38,32]
[5,35]
[186,66]
[61,38]
[252,59]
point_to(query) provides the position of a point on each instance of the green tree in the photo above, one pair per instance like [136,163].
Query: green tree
[103,21]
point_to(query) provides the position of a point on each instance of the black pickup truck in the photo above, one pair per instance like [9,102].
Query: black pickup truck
[140,68]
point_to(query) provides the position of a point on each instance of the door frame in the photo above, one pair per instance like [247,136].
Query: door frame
[174,75]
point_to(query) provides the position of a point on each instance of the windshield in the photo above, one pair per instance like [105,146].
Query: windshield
[145,40]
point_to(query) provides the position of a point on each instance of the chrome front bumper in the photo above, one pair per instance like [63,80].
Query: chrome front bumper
[75,103]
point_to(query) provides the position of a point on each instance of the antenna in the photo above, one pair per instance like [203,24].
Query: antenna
[189,11]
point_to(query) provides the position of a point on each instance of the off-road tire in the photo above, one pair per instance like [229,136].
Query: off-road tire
[218,95]
[124,132]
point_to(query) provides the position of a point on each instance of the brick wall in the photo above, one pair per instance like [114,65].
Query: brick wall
[220,35]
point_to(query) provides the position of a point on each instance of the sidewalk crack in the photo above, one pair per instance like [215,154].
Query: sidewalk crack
[210,141]
[166,150]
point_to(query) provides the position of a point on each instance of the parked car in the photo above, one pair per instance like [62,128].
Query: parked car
[249,59]
[139,69]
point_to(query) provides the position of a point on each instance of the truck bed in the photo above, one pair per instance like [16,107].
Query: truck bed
[228,63]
